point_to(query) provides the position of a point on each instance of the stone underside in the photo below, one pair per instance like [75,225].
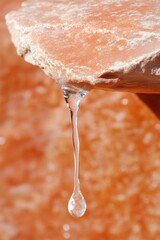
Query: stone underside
[93,44]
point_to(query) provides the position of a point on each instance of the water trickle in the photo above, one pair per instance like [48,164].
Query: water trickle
[73,97]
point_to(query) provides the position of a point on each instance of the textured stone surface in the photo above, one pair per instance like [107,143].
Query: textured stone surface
[104,44]
[120,153]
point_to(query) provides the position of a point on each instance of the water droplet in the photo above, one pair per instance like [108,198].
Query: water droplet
[66,235]
[73,97]
[77,205]
[66,227]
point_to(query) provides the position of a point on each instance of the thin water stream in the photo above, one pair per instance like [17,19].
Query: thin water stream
[73,97]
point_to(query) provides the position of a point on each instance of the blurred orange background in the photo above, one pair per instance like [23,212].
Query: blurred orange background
[120,158]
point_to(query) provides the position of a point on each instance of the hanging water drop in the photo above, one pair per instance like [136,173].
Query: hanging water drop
[73,97]
[77,205]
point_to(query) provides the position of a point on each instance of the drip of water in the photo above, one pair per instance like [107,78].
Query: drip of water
[73,97]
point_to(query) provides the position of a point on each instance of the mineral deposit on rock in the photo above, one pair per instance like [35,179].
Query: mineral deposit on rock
[103,44]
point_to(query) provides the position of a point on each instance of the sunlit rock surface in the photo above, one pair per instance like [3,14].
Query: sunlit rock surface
[120,159]
[103,44]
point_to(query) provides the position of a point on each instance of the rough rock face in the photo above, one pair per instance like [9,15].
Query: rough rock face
[120,153]
[77,41]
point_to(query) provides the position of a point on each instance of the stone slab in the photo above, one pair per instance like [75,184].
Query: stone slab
[93,44]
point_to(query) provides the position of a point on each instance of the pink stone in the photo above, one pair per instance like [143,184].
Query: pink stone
[97,44]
